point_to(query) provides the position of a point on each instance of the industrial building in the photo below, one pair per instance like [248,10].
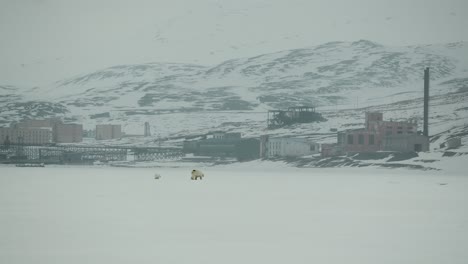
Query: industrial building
[34,123]
[299,114]
[222,144]
[24,135]
[330,149]
[108,131]
[39,132]
[217,147]
[359,140]
[68,133]
[289,147]
[380,135]
[406,143]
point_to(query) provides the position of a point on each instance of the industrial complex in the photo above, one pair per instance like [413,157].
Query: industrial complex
[43,140]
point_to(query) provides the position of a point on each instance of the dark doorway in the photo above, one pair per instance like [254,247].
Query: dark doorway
[417,147]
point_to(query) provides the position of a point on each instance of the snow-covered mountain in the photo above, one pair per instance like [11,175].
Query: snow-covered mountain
[321,75]
[342,79]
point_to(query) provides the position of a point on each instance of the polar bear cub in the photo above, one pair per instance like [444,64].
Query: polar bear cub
[196,174]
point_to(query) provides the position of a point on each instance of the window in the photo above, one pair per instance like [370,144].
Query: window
[312,147]
[361,139]
[371,139]
[400,132]
[400,127]
[350,139]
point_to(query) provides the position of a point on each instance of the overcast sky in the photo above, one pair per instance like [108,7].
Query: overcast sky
[46,40]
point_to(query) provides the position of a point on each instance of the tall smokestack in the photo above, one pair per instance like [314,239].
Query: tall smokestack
[147,130]
[426,103]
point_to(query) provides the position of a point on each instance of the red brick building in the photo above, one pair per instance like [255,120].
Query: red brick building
[378,134]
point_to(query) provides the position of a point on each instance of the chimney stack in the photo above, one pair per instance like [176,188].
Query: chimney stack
[426,103]
[147,130]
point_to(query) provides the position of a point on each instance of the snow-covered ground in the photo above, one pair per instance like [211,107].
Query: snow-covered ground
[237,214]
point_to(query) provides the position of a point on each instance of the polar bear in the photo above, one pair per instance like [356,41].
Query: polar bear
[197,174]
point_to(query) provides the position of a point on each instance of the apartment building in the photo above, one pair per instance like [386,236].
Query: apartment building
[68,133]
[108,131]
[25,135]
[61,133]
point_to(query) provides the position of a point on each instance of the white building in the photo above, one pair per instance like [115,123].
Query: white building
[290,147]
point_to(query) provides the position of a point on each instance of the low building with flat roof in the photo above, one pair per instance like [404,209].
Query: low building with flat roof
[406,143]
[290,147]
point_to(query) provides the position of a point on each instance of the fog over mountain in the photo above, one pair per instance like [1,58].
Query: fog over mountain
[43,41]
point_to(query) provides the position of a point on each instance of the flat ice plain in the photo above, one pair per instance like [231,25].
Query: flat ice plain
[234,215]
